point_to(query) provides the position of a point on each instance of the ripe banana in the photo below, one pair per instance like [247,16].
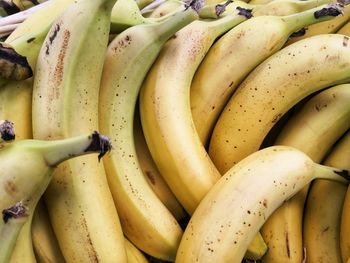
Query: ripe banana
[345,29]
[321,226]
[152,174]
[178,152]
[23,182]
[233,211]
[326,27]
[313,130]
[45,244]
[145,220]
[134,255]
[65,103]
[343,149]
[236,54]
[272,89]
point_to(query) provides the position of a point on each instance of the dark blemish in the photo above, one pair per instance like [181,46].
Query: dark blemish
[287,245]
[325,229]
[150,177]
[265,203]
[276,117]
[30,39]
[220,8]
[345,41]
[298,33]
[54,33]
[59,66]
[247,13]
[99,143]
[7,131]
[248,212]
[16,211]
[344,174]
[331,10]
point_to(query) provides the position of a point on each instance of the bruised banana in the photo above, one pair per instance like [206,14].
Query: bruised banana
[65,103]
[313,130]
[233,211]
[324,208]
[26,169]
[146,222]
[236,54]
[271,89]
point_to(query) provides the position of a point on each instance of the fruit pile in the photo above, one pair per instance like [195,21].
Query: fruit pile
[223,131]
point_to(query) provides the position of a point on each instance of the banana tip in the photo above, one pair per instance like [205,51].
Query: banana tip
[16,211]
[99,143]
[7,130]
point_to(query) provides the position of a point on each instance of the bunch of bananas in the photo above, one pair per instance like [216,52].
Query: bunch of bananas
[226,132]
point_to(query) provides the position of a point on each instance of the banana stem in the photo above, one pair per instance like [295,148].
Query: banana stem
[295,22]
[331,173]
[57,151]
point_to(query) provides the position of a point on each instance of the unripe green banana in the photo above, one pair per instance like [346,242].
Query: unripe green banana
[272,89]
[145,220]
[233,211]
[234,56]
[65,103]
[313,129]
[25,172]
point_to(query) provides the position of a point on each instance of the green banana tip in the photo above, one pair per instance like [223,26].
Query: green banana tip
[16,211]
[99,143]
[7,130]
[13,66]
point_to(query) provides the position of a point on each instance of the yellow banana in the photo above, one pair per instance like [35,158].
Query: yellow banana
[313,129]
[26,169]
[152,175]
[133,254]
[272,89]
[146,222]
[321,226]
[345,217]
[65,103]
[233,211]
[233,56]
[44,240]
[345,29]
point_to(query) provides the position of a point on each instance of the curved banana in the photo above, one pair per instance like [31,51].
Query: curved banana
[145,220]
[45,243]
[341,154]
[152,174]
[233,57]
[326,27]
[134,255]
[65,103]
[314,128]
[165,8]
[233,211]
[272,89]
[345,29]
[26,169]
[324,206]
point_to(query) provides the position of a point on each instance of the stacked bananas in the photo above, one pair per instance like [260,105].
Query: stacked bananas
[226,132]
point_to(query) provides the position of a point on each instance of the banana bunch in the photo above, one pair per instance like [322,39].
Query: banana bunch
[226,131]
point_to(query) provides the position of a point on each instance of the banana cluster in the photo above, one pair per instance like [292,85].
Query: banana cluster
[226,131]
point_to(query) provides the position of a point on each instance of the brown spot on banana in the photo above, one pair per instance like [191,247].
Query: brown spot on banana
[345,41]
[150,177]
[287,245]
[16,211]
[58,73]
[10,188]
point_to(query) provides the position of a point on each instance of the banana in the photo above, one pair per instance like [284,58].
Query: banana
[65,103]
[321,226]
[345,29]
[234,56]
[287,7]
[313,129]
[326,27]
[233,211]
[134,255]
[45,244]
[272,89]
[26,169]
[165,8]
[152,174]
[146,222]
[178,152]
[345,217]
